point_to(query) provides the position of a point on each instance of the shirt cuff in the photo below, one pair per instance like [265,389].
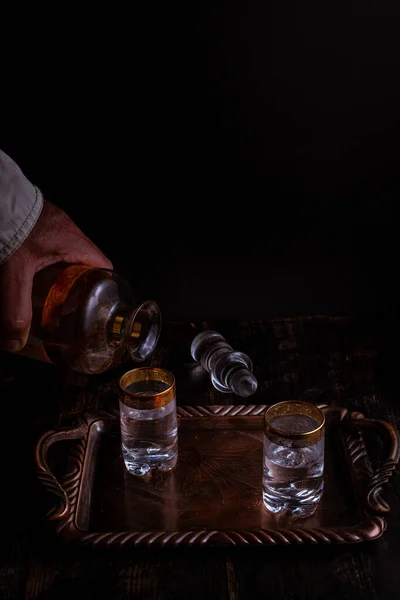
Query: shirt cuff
[20,206]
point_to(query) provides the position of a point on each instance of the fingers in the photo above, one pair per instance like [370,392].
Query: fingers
[15,305]
[86,252]
[56,238]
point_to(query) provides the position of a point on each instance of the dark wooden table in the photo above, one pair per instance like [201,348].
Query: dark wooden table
[334,360]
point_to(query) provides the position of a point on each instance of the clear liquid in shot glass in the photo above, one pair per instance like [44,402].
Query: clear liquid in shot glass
[293,477]
[149,438]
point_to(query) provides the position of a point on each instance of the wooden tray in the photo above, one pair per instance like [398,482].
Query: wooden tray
[213,497]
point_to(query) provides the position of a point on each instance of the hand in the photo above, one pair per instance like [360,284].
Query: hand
[53,239]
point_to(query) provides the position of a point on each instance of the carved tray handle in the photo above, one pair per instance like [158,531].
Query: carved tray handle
[60,507]
[380,477]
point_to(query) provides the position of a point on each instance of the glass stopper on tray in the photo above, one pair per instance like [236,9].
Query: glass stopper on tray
[230,371]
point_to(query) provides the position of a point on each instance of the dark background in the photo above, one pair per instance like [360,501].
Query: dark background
[238,159]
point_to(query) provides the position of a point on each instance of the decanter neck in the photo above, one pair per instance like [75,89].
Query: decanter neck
[137,329]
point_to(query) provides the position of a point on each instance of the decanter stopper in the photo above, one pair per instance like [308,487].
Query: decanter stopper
[230,371]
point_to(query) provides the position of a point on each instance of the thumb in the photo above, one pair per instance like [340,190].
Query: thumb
[15,305]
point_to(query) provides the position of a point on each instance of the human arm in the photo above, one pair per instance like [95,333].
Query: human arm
[34,234]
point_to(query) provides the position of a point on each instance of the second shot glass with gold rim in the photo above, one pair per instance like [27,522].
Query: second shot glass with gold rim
[293,458]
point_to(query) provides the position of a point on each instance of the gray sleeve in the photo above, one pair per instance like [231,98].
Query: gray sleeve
[20,206]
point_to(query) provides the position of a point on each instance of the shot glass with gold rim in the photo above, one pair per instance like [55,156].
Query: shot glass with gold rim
[293,459]
[149,432]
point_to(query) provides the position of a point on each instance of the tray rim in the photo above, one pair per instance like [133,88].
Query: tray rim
[368,487]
